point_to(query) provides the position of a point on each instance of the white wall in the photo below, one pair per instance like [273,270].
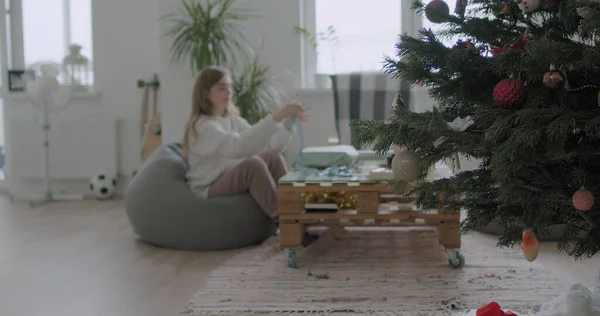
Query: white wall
[281,53]
[128,46]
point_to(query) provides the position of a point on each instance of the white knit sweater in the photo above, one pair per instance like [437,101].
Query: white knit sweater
[223,142]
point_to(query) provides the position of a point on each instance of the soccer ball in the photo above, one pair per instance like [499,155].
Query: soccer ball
[103,186]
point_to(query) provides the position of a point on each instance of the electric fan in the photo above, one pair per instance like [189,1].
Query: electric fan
[47,95]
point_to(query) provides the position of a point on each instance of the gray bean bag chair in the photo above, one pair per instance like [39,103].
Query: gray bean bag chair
[164,212]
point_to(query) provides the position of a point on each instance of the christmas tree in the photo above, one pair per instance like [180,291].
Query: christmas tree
[522,79]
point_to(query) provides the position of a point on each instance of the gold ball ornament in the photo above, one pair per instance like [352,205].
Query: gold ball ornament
[554,79]
[405,165]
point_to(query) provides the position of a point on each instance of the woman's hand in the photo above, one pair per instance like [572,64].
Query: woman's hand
[288,110]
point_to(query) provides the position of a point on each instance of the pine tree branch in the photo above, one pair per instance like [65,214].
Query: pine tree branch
[533,158]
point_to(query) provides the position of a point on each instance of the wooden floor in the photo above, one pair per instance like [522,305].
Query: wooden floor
[82,259]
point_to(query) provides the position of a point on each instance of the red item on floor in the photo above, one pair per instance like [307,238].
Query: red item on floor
[493,309]
[490,309]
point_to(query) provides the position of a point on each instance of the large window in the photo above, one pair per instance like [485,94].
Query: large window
[365,31]
[51,26]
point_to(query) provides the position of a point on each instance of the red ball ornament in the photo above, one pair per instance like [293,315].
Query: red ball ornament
[583,200]
[509,94]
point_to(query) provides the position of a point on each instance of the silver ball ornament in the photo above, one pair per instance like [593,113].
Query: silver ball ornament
[405,166]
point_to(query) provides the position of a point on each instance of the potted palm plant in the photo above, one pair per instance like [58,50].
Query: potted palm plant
[209,32]
[253,93]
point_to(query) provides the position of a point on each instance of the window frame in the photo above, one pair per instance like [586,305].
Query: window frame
[14,37]
[17,48]
[410,23]
[11,44]
[4,45]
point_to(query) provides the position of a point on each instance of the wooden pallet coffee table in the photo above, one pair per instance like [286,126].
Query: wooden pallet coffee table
[370,195]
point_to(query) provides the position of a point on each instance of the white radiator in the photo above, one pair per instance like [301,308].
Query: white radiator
[79,148]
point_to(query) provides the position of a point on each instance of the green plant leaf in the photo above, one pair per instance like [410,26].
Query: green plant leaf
[207,33]
[254,95]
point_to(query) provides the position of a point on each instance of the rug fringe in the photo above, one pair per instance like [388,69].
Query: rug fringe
[333,312]
[317,312]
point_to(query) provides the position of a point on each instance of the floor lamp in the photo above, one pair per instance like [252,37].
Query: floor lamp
[47,95]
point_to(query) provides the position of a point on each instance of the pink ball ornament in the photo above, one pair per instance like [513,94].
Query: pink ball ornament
[529,5]
[583,200]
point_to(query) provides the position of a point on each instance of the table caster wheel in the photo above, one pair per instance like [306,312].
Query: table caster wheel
[292,263]
[456,261]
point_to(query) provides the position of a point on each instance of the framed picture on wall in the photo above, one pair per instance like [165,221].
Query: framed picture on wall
[17,79]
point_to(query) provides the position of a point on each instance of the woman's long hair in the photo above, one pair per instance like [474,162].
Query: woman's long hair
[207,78]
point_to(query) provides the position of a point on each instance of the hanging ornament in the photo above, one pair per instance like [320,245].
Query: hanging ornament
[529,245]
[398,104]
[554,79]
[459,124]
[461,8]
[505,11]
[510,94]
[583,200]
[460,44]
[437,11]
[529,5]
[519,45]
[405,165]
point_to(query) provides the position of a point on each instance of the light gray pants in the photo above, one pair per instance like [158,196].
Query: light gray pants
[258,175]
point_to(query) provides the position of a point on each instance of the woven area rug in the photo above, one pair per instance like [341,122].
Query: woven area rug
[375,272]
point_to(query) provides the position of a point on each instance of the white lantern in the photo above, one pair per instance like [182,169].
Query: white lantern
[77,69]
